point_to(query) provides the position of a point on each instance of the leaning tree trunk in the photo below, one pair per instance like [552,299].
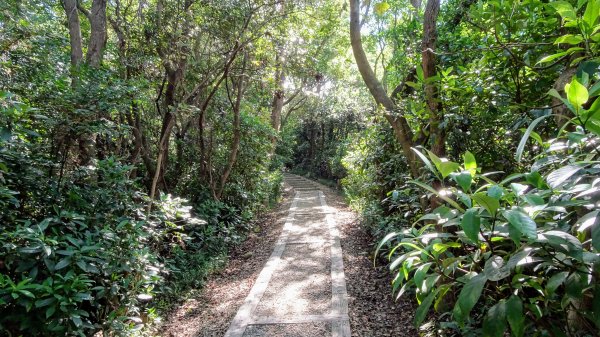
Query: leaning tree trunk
[399,124]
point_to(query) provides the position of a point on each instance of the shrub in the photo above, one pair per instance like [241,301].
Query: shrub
[520,254]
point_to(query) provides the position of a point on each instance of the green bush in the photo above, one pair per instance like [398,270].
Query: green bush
[522,254]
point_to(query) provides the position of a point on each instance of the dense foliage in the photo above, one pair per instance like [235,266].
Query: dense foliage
[496,229]
[137,145]
[139,140]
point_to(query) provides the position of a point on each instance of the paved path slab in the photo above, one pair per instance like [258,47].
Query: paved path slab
[301,291]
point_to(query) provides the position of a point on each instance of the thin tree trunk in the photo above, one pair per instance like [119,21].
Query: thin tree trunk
[278,102]
[399,124]
[237,135]
[438,134]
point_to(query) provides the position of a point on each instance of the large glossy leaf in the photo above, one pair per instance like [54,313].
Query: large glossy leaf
[577,94]
[385,240]
[514,315]
[556,178]
[471,223]
[521,222]
[464,180]
[555,281]
[590,16]
[565,9]
[421,273]
[444,166]
[487,202]
[470,293]
[494,323]
[495,269]
[565,242]
[569,39]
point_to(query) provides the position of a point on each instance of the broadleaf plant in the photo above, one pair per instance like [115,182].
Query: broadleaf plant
[522,255]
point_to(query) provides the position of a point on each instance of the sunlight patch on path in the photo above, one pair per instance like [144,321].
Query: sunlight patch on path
[301,291]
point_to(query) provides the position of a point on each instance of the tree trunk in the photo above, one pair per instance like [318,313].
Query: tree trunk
[97,18]
[399,124]
[237,135]
[437,134]
[74,32]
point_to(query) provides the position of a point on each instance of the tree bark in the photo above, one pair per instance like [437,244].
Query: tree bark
[97,18]
[399,124]
[237,134]
[428,62]
[70,7]
[277,106]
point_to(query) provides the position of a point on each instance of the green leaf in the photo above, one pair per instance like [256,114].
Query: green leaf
[44,302]
[443,197]
[558,177]
[420,274]
[487,202]
[494,322]
[596,237]
[564,9]
[555,281]
[565,242]
[495,192]
[425,160]
[470,293]
[464,180]
[423,309]
[535,179]
[27,293]
[569,39]
[50,311]
[521,222]
[62,263]
[381,8]
[77,320]
[574,285]
[470,163]
[514,315]
[444,166]
[495,269]
[595,89]
[590,16]
[471,223]
[523,141]
[552,57]
[577,94]
[587,221]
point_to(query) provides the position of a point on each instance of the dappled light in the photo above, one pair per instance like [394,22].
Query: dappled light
[299,168]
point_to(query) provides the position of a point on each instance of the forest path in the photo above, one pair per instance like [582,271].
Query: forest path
[301,291]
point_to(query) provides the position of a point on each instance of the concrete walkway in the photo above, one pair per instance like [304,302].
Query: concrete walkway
[301,291]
